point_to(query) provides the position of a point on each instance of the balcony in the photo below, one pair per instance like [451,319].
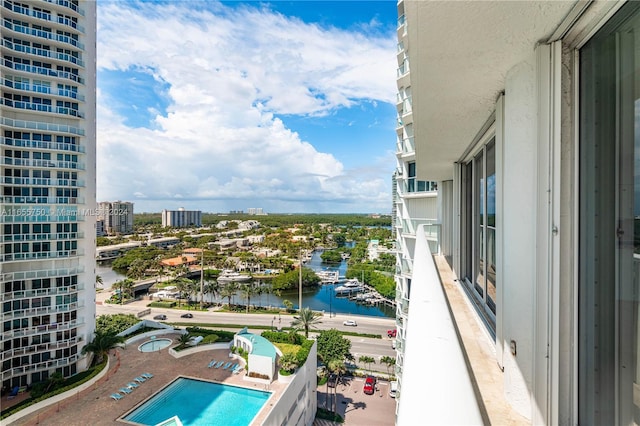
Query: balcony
[64,93]
[73,183]
[73,165]
[43,273]
[60,254]
[43,310]
[30,215]
[42,366]
[54,146]
[405,146]
[60,56]
[40,292]
[42,347]
[42,71]
[69,5]
[43,34]
[41,107]
[42,200]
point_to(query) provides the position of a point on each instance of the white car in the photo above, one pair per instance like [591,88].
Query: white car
[351,323]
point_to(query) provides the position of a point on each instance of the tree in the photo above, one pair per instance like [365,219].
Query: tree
[182,284]
[306,320]
[336,367]
[248,290]
[99,280]
[332,346]
[389,361]
[290,280]
[101,344]
[228,291]
[288,304]
[368,360]
[212,288]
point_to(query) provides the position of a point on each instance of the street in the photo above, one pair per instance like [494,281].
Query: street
[373,347]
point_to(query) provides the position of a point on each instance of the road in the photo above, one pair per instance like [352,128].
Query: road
[374,347]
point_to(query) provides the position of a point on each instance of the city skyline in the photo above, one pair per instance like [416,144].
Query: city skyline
[287,105]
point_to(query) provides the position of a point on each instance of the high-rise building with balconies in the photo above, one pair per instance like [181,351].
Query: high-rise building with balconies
[518,279]
[47,234]
[117,217]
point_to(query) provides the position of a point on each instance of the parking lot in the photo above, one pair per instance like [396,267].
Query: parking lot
[359,409]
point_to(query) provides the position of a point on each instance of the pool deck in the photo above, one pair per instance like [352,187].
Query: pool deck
[95,406]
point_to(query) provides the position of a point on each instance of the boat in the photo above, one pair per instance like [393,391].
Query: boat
[328,276]
[348,288]
[353,282]
[232,276]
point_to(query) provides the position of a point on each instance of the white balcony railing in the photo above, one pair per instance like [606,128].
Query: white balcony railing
[430,330]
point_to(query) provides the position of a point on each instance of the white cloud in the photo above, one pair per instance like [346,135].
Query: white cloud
[218,146]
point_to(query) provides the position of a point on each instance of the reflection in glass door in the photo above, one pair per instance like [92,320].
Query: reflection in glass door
[609,274]
[479,225]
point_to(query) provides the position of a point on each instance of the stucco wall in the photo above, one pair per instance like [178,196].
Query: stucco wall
[299,402]
[519,232]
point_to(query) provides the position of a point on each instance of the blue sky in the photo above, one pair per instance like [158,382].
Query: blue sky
[218,106]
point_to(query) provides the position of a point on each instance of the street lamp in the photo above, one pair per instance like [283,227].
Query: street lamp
[202,280]
[274,318]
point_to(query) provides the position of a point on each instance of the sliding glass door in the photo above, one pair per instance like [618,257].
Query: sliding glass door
[609,262]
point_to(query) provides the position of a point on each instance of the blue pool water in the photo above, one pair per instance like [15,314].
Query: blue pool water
[154,345]
[198,402]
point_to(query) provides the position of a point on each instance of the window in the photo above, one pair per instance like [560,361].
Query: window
[609,227]
[478,225]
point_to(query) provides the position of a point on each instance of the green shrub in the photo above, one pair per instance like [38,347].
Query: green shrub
[209,338]
[164,304]
[325,414]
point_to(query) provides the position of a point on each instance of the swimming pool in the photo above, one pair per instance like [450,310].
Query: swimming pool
[154,345]
[208,403]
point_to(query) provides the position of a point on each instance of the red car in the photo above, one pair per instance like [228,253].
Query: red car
[392,333]
[370,385]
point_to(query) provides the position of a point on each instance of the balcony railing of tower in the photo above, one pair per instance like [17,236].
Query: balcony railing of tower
[68,4]
[41,366]
[63,254]
[56,146]
[61,56]
[406,145]
[42,347]
[401,21]
[45,16]
[42,273]
[41,200]
[42,71]
[43,34]
[43,237]
[41,218]
[40,181]
[40,292]
[404,68]
[400,46]
[39,125]
[72,94]
[42,310]
[41,107]
[74,165]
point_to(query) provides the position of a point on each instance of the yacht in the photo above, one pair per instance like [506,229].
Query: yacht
[232,276]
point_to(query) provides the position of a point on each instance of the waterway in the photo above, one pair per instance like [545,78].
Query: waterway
[321,298]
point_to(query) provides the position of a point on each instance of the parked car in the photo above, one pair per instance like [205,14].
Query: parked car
[350,323]
[369,385]
[393,389]
[392,333]
[187,315]
[160,317]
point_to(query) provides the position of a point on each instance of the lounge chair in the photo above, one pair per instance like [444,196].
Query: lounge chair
[218,364]
[147,375]
[132,385]
[232,367]
[14,392]
[116,396]
[238,369]
[140,379]
[212,363]
[226,365]
[125,390]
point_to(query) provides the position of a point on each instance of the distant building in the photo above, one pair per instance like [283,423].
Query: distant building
[181,218]
[256,211]
[117,217]
[100,232]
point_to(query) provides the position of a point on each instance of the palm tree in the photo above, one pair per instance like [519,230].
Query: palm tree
[99,281]
[183,339]
[127,287]
[119,287]
[212,288]
[182,286]
[288,362]
[248,290]
[101,344]
[367,360]
[389,361]
[307,319]
[337,367]
[229,291]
